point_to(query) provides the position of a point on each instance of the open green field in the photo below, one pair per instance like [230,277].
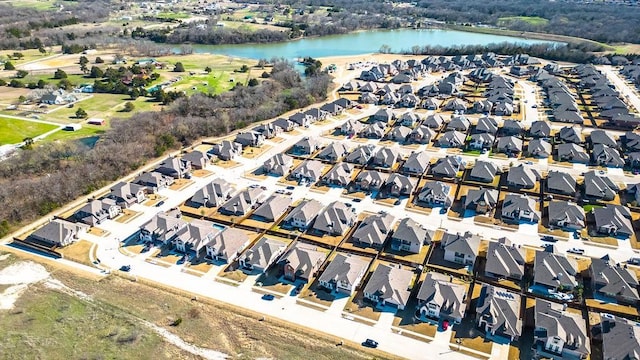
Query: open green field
[85,132]
[98,105]
[533,20]
[34,4]
[173,15]
[13,131]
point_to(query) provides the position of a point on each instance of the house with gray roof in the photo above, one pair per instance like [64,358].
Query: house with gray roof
[434,121]
[459,123]
[487,125]
[213,194]
[613,220]
[498,313]
[482,106]
[600,187]
[389,286]
[243,202]
[344,273]
[198,159]
[227,150]
[505,260]
[483,171]
[175,167]
[153,181]
[194,236]
[620,337]
[399,185]
[560,183]
[572,153]
[436,193]
[95,212]
[410,236]
[316,114]
[417,163]
[602,137]
[614,281]
[606,156]
[385,157]
[383,115]
[518,207]
[409,119]
[305,146]
[539,148]
[631,141]
[301,262]
[261,255]
[250,139]
[370,180]
[373,231]
[523,177]
[399,133]
[335,219]
[269,131]
[440,298]
[422,134]
[303,214]
[368,98]
[227,245]
[339,175]
[540,129]
[566,215]
[163,227]
[481,200]
[272,208]
[454,104]
[509,145]
[361,155]
[511,128]
[284,124]
[553,270]
[333,152]
[127,194]
[451,139]
[461,248]
[301,119]
[351,127]
[559,334]
[59,233]
[279,164]
[481,141]
[309,171]
[447,167]
[373,131]
[570,134]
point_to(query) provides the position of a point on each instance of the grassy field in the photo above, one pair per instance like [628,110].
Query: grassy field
[34,4]
[13,131]
[97,106]
[533,20]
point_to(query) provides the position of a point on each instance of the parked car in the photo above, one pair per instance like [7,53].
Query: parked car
[268,297]
[534,106]
[125,268]
[576,251]
[370,343]
[356,200]
[160,203]
[548,238]
[291,187]
[634,261]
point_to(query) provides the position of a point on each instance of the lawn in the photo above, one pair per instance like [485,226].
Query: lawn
[86,131]
[97,106]
[13,131]
[78,252]
[533,20]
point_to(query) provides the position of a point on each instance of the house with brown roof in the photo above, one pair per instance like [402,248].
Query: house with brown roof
[344,273]
[389,286]
[441,299]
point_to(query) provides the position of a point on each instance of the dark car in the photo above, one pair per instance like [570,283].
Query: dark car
[370,343]
[268,297]
[356,200]
[548,238]
[291,187]
[125,268]
[160,203]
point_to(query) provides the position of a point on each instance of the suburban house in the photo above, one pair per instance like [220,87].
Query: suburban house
[301,262]
[451,139]
[518,207]
[498,313]
[385,157]
[351,127]
[483,171]
[305,146]
[301,119]
[539,148]
[279,164]
[227,150]
[422,134]
[153,181]
[262,254]
[284,124]
[269,131]
[335,219]
[447,167]
[504,260]
[570,134]
[399,185]
[339,175]
[344,273]
[409,119]
[361,155]
[59,233]
[511,128]
[389,286]
[175,167]
[481,141]
[613,220]
[523,177]
[459,123]
[383,115]
[436,193]
[373,131]
[434,121]
[606,156]
[272,208]
[509,145]
[95,212]
[603,137]
[572,153]
[410,236]
[243,202]
[461,248]
[309,171]
[614,281]
[561,183]
[597,186]
[486,125]
[441,299]
[559,334]
[370,180]
[554,270]
[399,134]
[417,163]
[198,159]
[373,231]
[540,129]
[127,194]
[163,227]
[213,194]
[303,214]
[194,236]
[333,152]
[620,337]
[227,245]
[481,200]
[566,215]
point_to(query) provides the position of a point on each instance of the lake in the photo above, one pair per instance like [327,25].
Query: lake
[362,42]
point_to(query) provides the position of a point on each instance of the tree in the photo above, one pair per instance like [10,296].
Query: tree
[178,67]
[385,49]
[9,66]
[99,60]
[60,74]
[253,82]
[207,69]
[16,83]
[128,107]
[41,84]
[17,55]
[265,75]
[42,50]
[134,94]
[21,74]
[244,68]
[81,114]
[3,82]
[96,73]
[83,60]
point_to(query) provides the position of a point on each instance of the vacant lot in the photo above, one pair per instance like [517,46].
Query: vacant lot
[13,131]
